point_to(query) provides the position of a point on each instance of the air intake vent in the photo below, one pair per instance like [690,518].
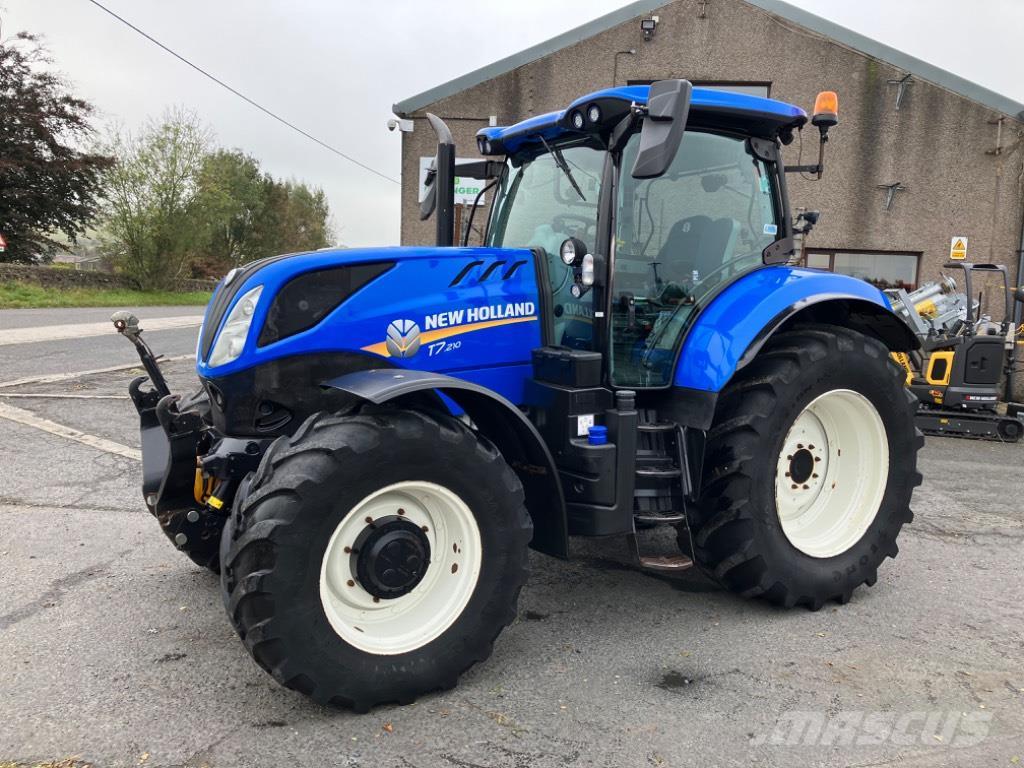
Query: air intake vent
[307,299]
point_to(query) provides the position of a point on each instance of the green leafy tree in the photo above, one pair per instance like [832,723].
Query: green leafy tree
[153,217]
[295,217]
[230,201]
[48,184]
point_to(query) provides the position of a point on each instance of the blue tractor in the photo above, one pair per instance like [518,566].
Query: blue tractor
[382,433]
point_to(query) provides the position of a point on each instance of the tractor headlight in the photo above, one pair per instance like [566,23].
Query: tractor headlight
[231,340]
[594,113]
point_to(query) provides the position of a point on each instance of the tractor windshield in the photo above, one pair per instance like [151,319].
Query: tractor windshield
[538,207]
[677,238]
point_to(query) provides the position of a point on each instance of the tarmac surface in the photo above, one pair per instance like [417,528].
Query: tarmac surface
[114,648]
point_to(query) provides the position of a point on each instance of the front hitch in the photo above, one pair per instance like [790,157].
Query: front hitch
[127,325]
[171,440]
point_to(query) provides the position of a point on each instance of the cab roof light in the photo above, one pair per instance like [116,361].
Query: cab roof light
[826,110]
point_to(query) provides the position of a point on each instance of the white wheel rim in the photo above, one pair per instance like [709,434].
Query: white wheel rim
[832,473]
[388,626]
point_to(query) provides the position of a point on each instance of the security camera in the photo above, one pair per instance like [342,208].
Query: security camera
[405,126]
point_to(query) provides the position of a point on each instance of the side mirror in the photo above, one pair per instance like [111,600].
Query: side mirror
[429,202]
[668,107]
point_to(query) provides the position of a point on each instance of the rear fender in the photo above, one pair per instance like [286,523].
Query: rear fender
[732,329]
[500,422]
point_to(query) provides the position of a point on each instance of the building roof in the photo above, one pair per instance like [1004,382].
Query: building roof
[840,34]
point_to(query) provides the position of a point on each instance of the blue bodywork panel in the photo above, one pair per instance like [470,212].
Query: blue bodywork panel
[484,328]
[725,329]
[769,113]
[481,330]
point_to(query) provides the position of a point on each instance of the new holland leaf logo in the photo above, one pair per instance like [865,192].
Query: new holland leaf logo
[403,338]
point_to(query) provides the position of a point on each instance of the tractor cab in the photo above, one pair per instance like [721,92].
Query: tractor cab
[663,237]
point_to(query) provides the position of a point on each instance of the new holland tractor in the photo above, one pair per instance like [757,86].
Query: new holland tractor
[382,433]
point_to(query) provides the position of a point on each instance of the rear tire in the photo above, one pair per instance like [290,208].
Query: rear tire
[784,514]
[445,556]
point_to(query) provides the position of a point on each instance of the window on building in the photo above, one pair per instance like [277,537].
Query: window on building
[881,269]
[749,88]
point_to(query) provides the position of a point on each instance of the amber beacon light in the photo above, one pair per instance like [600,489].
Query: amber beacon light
[826,110]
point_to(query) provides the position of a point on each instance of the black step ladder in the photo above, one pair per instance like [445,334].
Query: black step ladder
[660,491]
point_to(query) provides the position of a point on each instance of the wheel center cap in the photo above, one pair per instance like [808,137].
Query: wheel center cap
[390,557]
[801,466]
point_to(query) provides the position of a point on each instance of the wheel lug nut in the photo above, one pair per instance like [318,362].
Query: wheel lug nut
[817,458]
[369,520]
[376,599]
[350,583]
[815,474]
[348,550]
[794,486]
[424,528]
[806,487]
[800,445]
[401,511]
[810,447]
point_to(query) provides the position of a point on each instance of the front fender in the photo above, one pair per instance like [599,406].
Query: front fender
[728,332]
[501,423]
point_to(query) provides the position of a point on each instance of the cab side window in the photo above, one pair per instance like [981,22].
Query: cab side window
[678,237]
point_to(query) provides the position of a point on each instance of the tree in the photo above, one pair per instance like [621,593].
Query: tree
[230,200]
[48,184]
[294,218]
[152,215]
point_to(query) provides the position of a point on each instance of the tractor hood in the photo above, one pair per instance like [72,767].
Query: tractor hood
[423,307]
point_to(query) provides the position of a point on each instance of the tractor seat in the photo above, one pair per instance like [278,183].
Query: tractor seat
[697,243]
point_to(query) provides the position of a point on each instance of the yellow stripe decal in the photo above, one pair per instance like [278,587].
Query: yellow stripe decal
[381,348]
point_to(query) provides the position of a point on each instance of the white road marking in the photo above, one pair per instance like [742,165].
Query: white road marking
[62,396]
[54,377]
[29,419]
[83,330]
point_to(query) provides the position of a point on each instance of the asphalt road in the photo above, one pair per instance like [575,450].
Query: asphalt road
[114,647]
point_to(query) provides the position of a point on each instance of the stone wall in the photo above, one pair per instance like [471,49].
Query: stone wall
[56,277]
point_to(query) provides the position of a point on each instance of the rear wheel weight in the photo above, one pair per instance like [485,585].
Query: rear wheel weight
[811,463]
[377,556]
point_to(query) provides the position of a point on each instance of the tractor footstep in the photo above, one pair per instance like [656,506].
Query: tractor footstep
[665,563]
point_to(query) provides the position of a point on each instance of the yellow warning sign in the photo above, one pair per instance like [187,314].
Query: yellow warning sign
[958,248]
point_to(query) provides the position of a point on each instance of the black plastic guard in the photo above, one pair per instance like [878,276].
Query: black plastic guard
[498,420]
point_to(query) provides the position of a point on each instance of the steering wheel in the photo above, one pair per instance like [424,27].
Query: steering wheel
[560,223]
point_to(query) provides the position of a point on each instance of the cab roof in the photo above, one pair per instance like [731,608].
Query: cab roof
[710,109]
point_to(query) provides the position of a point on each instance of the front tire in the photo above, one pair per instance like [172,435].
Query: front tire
[810,465]
[377,556]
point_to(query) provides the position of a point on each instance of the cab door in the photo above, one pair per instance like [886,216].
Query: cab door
[678,238]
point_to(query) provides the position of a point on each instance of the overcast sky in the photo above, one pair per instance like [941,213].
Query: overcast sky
[336,67]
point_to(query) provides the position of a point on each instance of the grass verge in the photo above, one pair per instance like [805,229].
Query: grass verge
[15,295]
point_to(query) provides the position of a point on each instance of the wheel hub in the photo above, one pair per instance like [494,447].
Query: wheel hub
[801,465]
[390,557]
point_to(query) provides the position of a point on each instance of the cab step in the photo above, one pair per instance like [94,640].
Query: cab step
[673,563]
[672,518]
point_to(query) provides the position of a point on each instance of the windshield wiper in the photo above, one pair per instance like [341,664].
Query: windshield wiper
[564,166]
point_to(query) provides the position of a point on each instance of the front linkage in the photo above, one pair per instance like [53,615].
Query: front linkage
[190,473]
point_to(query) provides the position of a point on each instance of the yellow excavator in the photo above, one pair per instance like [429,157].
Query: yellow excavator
[965,357]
